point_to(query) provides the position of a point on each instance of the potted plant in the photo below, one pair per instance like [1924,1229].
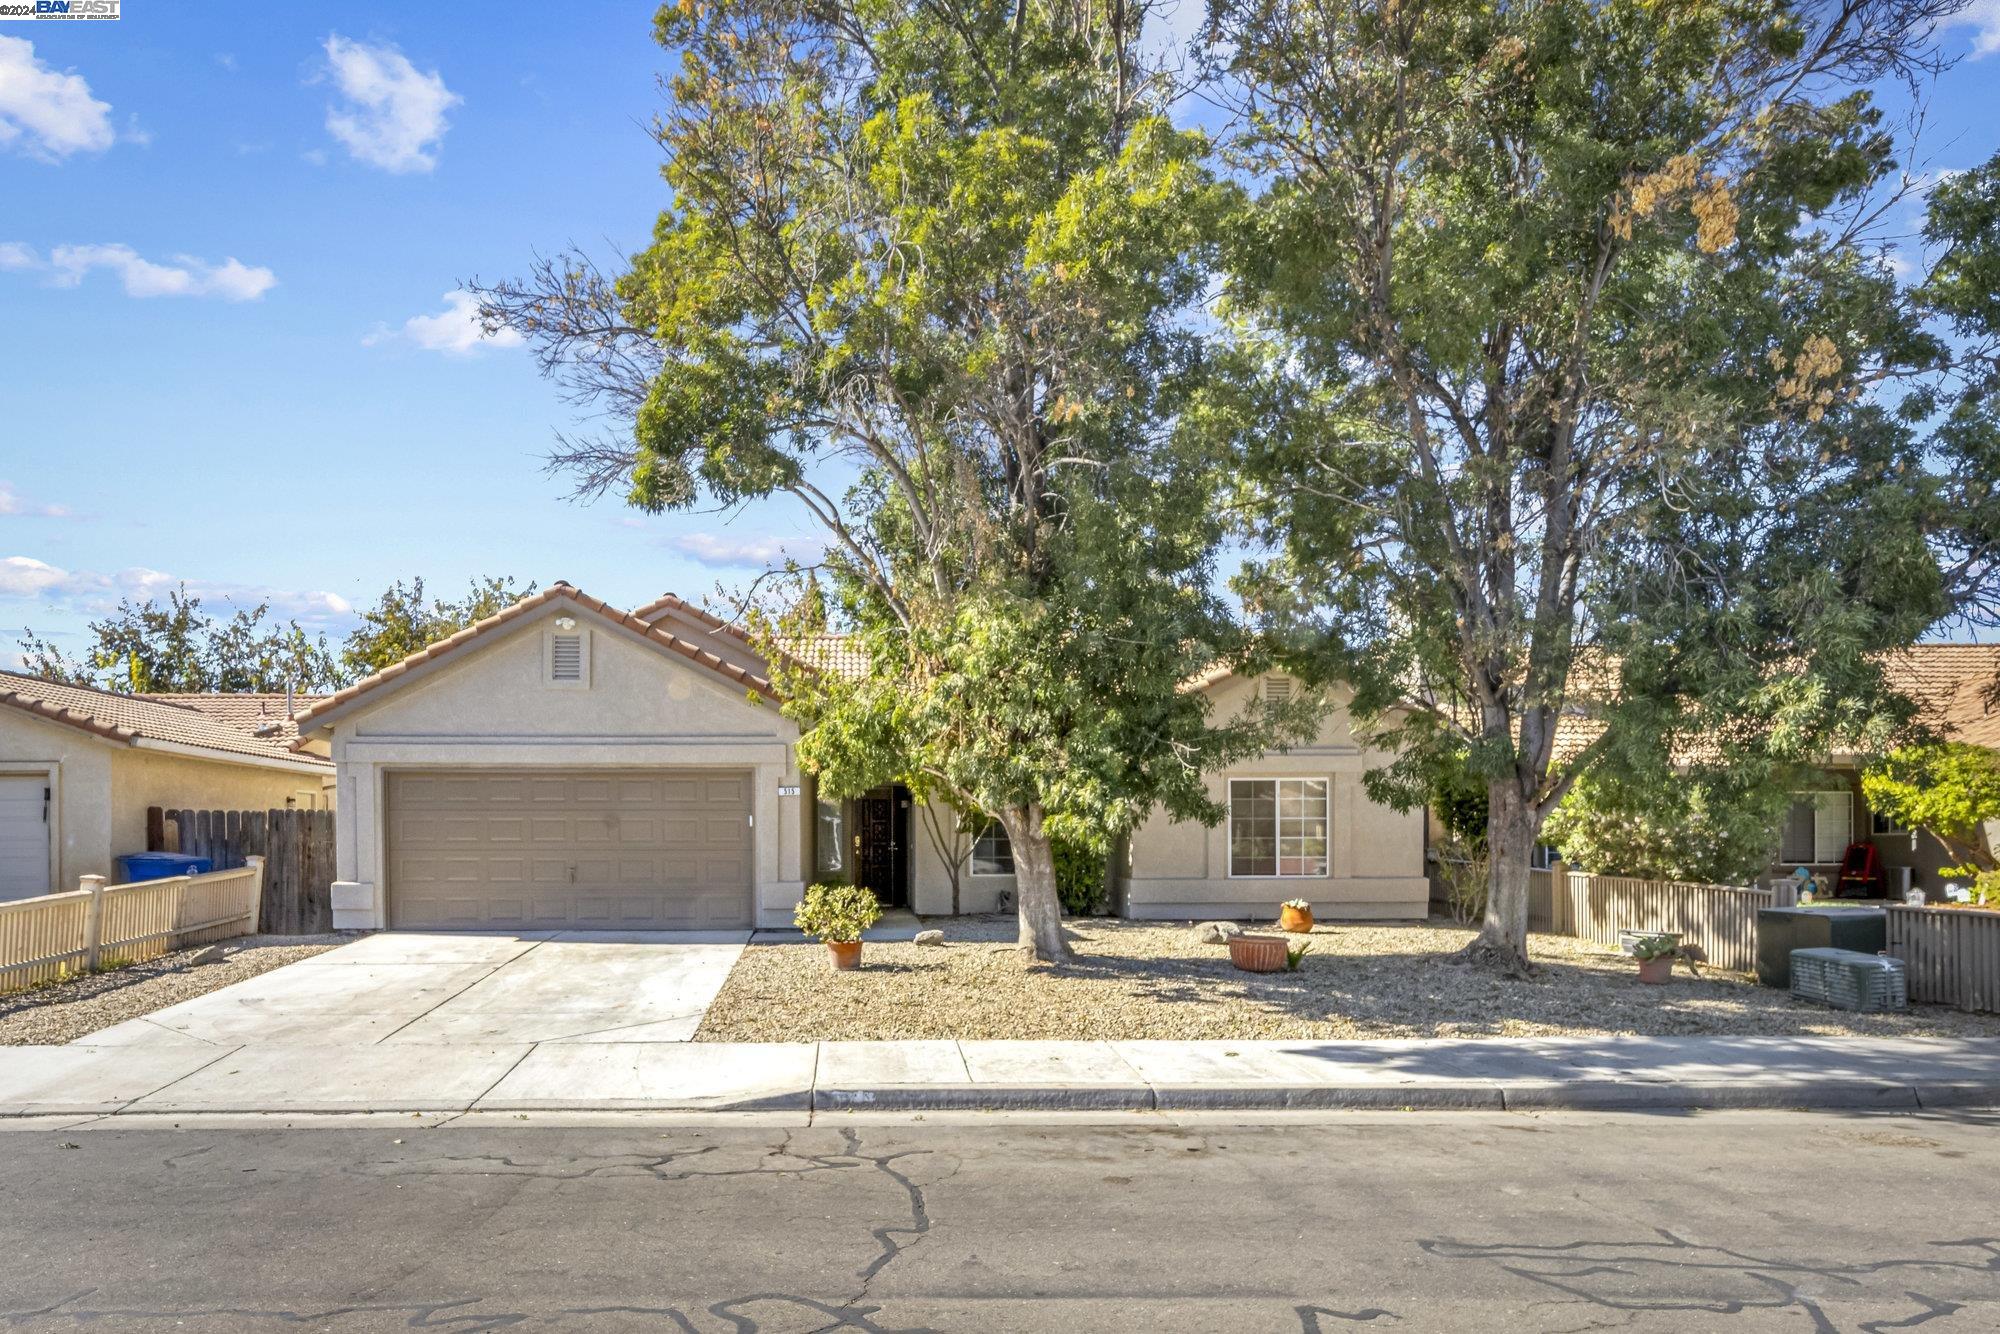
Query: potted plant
[1258,954]
[1656,955]
[838,914]
[1295,915]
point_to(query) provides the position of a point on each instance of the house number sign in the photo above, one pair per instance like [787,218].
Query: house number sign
[785,791]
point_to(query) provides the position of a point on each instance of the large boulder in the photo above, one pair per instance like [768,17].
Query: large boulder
[928,938]
[1215,933]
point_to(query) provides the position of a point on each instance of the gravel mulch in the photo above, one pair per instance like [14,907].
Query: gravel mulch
[1150,980]
[80,1006]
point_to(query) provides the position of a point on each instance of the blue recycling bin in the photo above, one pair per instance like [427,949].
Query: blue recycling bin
[161,865]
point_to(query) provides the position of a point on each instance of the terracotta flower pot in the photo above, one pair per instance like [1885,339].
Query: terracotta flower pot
[1656,972]
[1258,954]
[1295,919]
[846,954]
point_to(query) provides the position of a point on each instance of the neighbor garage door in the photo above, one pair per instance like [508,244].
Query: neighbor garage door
[659,848]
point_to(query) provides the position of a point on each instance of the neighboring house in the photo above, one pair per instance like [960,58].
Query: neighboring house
[568,763]
[79,767]
[1952,685]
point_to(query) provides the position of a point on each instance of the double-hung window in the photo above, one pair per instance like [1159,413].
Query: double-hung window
[1278,827]
[992,854]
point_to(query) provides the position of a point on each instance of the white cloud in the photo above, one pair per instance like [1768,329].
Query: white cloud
[92,592]
[15,505]
[67,265]
[394,116]
[48,113]
[454,331]
[752,552]
[1983,17]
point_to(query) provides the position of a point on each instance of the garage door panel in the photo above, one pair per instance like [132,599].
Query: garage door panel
[662,849]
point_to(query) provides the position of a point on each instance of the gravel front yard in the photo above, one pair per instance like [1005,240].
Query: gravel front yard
[1150,980]
[69,1010]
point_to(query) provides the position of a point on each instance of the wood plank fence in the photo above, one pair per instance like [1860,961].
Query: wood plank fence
[297,846]
[1722,919]
[1952,954]
[54,935]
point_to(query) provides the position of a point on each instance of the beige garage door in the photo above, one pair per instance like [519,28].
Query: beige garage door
[653,848]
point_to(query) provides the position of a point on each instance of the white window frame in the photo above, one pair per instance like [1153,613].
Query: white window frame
[1881,826]
[985,834]
[1229,827]
[582,681]
[1814,797]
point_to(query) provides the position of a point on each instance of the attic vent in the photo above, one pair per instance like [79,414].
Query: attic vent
[1277,689]
[568,658]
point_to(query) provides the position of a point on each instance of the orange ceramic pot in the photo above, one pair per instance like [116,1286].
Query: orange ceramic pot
[846,954]
[1258,954]
[1295,919]
[1657,972]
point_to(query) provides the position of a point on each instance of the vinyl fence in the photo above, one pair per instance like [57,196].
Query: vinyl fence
[45,938]
[1952,954]
[1722,919]
[297,847]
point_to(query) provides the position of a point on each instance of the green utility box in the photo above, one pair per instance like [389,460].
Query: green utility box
[1782,930]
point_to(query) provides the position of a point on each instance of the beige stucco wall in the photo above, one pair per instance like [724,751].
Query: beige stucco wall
[1180,869]
[489,707]
[930,880]
[102,789]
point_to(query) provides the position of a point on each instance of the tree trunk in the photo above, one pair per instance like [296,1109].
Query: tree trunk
[1040,906]
[1502,942]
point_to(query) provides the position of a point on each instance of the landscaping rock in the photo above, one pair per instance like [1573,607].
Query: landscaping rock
[928,938]
[1215,933]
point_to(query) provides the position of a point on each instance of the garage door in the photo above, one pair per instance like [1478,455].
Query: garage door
[656,848]
[24,836]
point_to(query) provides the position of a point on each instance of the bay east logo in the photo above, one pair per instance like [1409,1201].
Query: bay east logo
[59,9]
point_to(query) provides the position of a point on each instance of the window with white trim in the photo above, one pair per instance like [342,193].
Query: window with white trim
[992,852]
[1278,827]
[1818,828]
[566,657]
[1885,824]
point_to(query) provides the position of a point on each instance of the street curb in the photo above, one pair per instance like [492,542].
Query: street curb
[987,1098]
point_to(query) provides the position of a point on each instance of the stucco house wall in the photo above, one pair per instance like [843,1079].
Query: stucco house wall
[100,790]
[1181,869]
[489,707]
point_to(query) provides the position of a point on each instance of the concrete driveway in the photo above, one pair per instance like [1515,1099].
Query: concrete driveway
[461,989]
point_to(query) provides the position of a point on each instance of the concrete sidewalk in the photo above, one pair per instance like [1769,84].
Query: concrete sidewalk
[1492,1074]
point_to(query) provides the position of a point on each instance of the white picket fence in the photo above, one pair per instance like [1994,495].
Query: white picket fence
[55,935]
[1722,919]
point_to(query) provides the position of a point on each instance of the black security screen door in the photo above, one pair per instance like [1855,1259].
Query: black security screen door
[882,839]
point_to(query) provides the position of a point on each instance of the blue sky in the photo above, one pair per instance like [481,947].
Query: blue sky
[227,242]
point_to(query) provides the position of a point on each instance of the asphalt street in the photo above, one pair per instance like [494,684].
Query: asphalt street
[1380,1221]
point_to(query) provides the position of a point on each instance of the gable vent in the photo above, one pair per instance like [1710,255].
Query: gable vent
[1278,689]
[566,658]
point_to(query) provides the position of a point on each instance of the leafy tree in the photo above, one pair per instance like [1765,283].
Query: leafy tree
[1710,828]
[1950,790]
[930,270]
[1556,327]
[401,622]
[177,648]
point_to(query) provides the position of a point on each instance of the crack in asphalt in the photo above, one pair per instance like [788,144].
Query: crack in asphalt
[1567,1268]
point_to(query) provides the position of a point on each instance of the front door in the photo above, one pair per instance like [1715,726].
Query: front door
[882,841]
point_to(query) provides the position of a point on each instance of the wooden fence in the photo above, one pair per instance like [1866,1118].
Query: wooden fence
[45,938]
[1722,919]
[297,847]
[1952,954]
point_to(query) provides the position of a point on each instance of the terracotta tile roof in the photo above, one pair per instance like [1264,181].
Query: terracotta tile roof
[667,601]
[308,718]
[261,715]
[1956,688]
[838,654]
[133,718]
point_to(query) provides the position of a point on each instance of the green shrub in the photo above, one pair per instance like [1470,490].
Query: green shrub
[838,913]
[1080,878]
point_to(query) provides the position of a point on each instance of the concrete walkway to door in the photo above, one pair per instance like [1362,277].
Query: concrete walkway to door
[462,989]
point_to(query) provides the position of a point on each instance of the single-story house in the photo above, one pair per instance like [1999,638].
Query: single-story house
[79,767]
[568,763]
[1952,686]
